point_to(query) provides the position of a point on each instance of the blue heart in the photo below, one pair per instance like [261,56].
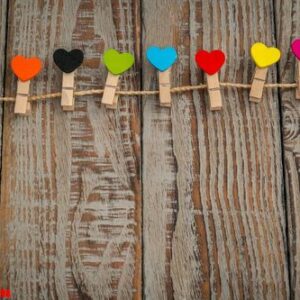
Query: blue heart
[161,58]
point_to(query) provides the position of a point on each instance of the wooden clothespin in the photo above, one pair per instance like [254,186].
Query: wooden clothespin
[163,59]
[263,57]
[110,98]
[295,46]
[297,75]
[68,62]
[213,86]
[164,88]
[258,82]
[211,63]
[25,69]
[116,63]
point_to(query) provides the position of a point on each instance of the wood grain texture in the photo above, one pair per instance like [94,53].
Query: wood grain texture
[3,13]
[3,28]
[288,28]
[213,206]
[214,183]
[71,181]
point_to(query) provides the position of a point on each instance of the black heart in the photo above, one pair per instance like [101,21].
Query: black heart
[68,61]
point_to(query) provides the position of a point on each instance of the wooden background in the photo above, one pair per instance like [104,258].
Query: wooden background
[147,202]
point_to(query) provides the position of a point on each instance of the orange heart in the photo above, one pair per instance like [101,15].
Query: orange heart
[26,68]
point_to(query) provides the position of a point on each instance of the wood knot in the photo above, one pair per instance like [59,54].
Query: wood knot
[291,123]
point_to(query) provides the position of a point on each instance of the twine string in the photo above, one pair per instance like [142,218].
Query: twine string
[174,90]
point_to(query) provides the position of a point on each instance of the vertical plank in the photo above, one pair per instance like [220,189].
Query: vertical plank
[3,13]
[288,27]
[3,28]
[72,182]
[213,215]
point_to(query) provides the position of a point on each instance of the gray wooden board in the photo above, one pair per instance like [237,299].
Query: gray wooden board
[288,28]
[3,27]
[71,181]
[214,222]
[214,196]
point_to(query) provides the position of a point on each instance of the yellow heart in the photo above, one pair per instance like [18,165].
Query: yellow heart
[264,56]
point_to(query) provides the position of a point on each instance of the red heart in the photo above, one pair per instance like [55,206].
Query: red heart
[210,62]
[26,68]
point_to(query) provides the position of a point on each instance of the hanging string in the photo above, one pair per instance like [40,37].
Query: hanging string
[174,90]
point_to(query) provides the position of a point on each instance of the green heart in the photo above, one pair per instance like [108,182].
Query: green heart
[116,62]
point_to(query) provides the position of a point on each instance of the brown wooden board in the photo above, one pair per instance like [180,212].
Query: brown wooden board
[287,28]
[71,189]
[213,206]
[214,196]
[3,214]
[3,28]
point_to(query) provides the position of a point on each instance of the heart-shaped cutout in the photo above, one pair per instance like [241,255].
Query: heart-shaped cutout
[295,46]
[210,62]
[264,56]
[116,62]
[68,61]
[161,58]
[26,68]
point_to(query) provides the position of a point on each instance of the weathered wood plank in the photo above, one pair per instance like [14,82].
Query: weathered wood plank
[3,12]
[71,180]
[3,28]
[288,28]
[214,222]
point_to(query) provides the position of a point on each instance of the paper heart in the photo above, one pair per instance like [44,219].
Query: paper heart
[210,62]
[264,56]
[117,63]
[26,68]
[296,47]
[68,61]
[161,58]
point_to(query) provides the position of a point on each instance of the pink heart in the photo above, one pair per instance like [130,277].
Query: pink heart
[296,47]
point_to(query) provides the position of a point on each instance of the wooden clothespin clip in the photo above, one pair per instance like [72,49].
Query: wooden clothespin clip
[263,57]
[116,63]
[163,59]
[297,75]
[295,46]
[211,63]
[110,98]
[68,62]
[164,88]
[25,69]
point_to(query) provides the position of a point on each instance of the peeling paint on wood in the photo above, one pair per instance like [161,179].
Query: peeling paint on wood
[72,180]
[213,199]
[213,220]
[3,208]
[288,25]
